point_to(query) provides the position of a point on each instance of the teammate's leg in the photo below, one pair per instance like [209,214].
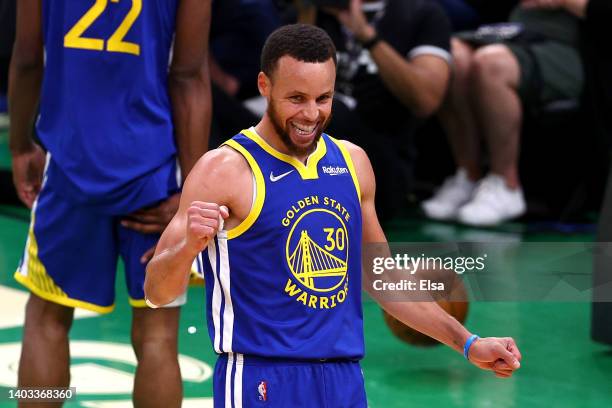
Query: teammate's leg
[154,331]
[154,338]
[68,262]
[45,357]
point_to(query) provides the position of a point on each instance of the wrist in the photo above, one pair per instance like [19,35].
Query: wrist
[21,146]
[468,345]
[370,42]
[190,248]
[366,34]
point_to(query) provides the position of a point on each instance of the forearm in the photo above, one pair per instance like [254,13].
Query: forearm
[577,7]
[430,319]
[192,110]
[24,89]
[413,85]
[417,309]
[168,274]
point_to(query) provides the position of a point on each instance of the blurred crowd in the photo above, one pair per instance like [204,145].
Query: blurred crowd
[479,70]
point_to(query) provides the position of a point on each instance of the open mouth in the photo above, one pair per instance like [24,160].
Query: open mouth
[304,131]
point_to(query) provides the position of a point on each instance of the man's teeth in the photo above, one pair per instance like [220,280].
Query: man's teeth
[304,130]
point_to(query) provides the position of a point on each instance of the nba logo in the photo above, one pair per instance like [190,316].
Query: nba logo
[262,388]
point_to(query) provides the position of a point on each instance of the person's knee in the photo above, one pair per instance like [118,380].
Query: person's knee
[154,333]
[155,348]
[462,59]
[495,64]
[46,320]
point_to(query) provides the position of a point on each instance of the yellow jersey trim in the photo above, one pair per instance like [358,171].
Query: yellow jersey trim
[195,279]
[260,192]
[65,301]
[38,281]
[349,162]
[140,303]
[307,171]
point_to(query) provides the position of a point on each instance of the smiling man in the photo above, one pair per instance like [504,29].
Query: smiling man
[279,239]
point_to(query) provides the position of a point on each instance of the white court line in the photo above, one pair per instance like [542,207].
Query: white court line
[12,308]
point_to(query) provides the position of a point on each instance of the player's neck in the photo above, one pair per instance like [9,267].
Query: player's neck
[265,129]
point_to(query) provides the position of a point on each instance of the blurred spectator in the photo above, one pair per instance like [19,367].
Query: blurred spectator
[7,37]
[239,29]
[532,62]
[469,14]
[393,69]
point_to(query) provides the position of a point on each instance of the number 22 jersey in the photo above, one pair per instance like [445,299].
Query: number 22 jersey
[105,113]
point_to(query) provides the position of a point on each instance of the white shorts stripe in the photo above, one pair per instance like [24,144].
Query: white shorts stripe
[228,380]
[228,312]
[238,381]
[216,298]
[25,260]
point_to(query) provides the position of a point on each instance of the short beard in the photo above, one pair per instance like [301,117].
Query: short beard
[286,139]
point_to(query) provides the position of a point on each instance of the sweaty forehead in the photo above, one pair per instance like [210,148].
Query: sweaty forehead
[290,70]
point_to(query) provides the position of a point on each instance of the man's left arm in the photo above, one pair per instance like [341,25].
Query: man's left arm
[500,355]
[25,78]
[419,80]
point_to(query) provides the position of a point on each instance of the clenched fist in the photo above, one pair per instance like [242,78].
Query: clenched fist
[204,220]
[498,354]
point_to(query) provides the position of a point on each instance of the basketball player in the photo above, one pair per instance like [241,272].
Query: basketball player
[284,272]
[107,99]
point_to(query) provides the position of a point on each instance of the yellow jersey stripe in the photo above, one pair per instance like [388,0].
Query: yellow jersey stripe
[259,194]
[307,171]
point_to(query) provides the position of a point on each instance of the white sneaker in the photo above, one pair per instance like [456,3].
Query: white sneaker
[493,203]
[4,121]
[456,191]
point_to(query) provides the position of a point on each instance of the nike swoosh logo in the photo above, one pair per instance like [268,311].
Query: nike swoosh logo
[274,178]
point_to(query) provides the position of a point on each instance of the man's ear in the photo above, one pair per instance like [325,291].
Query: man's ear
[264,84]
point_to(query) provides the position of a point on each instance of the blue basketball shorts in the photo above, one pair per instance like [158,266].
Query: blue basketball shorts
[72,252]
[241,381]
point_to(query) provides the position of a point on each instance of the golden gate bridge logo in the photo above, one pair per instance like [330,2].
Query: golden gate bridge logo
[313,265]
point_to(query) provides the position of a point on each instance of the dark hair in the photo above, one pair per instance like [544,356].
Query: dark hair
[303,42]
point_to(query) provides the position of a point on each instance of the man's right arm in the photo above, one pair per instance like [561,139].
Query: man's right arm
[25,79]
[196,222]
[426,317]
[189,82]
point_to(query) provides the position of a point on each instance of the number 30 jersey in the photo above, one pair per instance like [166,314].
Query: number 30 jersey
[105,113]
[286,282]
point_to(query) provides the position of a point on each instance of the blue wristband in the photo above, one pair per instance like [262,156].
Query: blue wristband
[468,344]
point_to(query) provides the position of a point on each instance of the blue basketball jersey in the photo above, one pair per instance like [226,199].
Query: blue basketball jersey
[286,282]
[105,113]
